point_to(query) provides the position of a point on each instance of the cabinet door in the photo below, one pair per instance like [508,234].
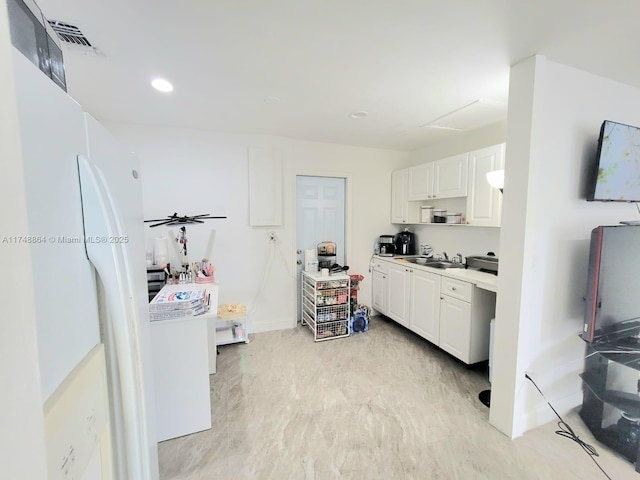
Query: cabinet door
[379,296]
[425,305]
[455,327]
[399,203]
[484,203]
[399,290]
[450,177]
[421,182]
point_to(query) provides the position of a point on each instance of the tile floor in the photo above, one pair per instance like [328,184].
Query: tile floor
[384,404]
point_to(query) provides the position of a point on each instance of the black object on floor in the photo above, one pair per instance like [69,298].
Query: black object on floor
[485,397]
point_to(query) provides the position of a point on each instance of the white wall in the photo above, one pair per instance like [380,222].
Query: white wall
[192,171]
[22,448]
[460,143]
[555,113]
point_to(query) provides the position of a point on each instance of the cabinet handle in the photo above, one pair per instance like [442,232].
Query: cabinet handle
[441,297]
[453,288]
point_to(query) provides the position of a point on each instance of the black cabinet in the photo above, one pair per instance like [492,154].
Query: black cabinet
[156,279]
[611,401]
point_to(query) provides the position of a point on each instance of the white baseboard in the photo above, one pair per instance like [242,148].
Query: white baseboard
[271,325]
[543,414]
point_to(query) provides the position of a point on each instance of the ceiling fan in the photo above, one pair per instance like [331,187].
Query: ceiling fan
[176,219]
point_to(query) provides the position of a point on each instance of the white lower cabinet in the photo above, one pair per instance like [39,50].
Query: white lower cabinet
[465,313]
[450,313]
[455,328]
[399,294]
[425,305]
[380,293]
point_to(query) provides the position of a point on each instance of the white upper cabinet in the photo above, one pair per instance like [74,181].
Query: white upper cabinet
[401,210]
[399,205]
[459,176]
[421,182]
[484,203]
[450,177]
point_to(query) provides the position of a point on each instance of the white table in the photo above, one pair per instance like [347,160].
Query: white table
[181,366]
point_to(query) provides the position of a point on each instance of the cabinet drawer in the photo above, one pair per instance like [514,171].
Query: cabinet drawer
[456,288]
[380,266]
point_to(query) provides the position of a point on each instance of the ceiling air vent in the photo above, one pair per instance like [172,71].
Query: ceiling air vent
[70,34]
[473,115]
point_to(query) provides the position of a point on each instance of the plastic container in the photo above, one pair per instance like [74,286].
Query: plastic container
[426,214]
[311,265]
[439,216]
[454,218]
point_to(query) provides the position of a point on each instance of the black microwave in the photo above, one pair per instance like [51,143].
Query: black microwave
[32,35]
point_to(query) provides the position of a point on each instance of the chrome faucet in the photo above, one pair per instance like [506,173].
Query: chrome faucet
[458,258]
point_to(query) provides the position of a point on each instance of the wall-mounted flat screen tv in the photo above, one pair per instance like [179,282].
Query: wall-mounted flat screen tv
[616,177]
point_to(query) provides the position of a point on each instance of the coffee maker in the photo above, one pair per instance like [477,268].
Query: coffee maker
[387,245]
[405,242]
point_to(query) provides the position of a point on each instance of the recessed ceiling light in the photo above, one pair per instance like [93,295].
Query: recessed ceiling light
[162,85]
[272,99]
[360,114]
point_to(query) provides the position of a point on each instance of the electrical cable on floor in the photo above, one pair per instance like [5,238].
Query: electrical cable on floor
[567,432]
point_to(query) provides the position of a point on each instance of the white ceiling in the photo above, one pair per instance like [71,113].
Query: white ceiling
[405,62]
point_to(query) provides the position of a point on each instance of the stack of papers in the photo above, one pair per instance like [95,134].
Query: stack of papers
[183,303]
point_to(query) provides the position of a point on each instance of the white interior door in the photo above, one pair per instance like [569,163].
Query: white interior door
[320,216]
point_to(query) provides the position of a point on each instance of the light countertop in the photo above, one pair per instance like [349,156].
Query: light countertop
[483,280]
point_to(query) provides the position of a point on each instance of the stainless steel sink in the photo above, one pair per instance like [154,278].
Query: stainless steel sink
[429,262]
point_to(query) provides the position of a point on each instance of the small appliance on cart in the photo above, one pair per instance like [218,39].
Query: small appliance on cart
[326,254]
[325,305]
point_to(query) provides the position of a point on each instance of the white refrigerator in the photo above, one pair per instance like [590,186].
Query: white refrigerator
[86,237]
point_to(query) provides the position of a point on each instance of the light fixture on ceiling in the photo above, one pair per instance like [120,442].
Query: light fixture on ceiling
[359,114]
[162,85]
[272,99]
[496,179]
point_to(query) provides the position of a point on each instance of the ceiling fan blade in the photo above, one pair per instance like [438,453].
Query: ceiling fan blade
[164,222]
[181,220]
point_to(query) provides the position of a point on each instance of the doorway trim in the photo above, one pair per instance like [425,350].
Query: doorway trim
[348,204]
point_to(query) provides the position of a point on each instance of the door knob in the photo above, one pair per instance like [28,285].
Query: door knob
[299,262]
